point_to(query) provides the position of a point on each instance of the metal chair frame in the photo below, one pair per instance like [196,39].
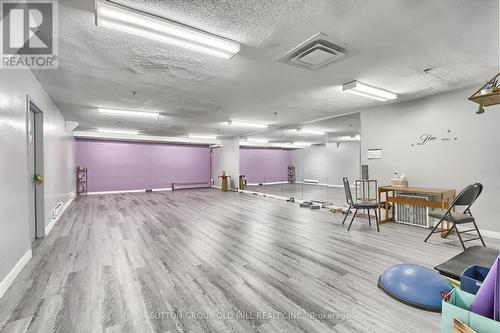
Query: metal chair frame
[357,207]
[461,200]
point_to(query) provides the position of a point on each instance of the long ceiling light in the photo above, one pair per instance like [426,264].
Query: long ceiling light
[246,124]
[253,144]
[358,88]
[257,140]
[126,19]
[117,131]
[302,143]
[305,131]
[202,136]
[128,113]
[348,138]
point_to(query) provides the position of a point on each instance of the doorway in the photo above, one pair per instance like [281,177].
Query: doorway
[35,171]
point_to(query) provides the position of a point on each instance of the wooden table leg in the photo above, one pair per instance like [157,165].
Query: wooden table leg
[379,207]
[445,225]
[393,208]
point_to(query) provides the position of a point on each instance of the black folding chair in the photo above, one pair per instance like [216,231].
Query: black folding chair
[466,198]
[357,205]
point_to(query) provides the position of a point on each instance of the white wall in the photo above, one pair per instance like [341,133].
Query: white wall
[473,157]
[226,158]
[59,162]
[328,163]
[343,161]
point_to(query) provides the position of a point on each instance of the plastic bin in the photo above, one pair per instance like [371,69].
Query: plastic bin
[472,278]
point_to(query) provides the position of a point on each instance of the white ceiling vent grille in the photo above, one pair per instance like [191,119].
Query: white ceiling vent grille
[316,52]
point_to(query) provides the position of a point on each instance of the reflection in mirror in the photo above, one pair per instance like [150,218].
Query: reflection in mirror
[305,162]
[343,156]
[264,168]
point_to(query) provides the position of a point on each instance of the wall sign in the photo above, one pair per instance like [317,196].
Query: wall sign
[429,139]
[374,154]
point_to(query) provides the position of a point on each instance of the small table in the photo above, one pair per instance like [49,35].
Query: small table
[445,196]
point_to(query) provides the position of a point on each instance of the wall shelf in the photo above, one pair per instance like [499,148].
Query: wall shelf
[487,99]
[492,98]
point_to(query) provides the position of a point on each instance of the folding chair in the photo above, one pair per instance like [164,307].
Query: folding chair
[466,198]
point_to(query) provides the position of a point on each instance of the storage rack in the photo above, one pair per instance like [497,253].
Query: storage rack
[81,180]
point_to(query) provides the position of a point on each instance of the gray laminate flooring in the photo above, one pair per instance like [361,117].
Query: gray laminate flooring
[306,192]
[206,261]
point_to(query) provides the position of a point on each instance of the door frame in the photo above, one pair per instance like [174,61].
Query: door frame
[39,199]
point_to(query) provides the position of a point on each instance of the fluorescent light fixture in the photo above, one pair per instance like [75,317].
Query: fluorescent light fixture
[253,144]
[358,88]
[257,140]
[348,138]
[128,113]
[302,143]
[202,136]
[117,131]
[126,19]
[306,131]
[245,124]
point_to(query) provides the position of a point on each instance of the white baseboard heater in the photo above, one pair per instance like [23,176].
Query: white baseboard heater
[413,214]
[57,209]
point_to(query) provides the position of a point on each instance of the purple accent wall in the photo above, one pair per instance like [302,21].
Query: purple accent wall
[121,166]
[264,165]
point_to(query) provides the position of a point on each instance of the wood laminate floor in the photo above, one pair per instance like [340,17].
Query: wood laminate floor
[206,261]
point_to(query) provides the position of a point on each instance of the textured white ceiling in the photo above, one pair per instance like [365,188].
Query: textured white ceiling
[391,43]
[339,126]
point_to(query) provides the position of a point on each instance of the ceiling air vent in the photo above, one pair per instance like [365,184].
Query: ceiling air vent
[316,52]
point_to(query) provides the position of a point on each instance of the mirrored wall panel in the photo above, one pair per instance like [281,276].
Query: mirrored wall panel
[304,161]
[265,168]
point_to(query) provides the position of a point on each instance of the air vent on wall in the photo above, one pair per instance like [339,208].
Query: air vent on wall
[316,52]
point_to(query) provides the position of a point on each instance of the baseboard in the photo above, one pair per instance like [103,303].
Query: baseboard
[115,192]
[490,234]
[9,279]
[322,184]
[51,224]
[130,191]
[270,183]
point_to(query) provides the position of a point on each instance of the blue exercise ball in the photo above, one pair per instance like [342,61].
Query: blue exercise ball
[415,285]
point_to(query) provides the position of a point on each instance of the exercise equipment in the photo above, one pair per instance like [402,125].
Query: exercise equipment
[306,204]
[338,210]
[474,255]
[415,285]
[487,300]
[291,174]
[243,182]
[224,181]
[315,204]
[292,199]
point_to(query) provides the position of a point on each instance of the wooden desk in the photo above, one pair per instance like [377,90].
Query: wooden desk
[445,197]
